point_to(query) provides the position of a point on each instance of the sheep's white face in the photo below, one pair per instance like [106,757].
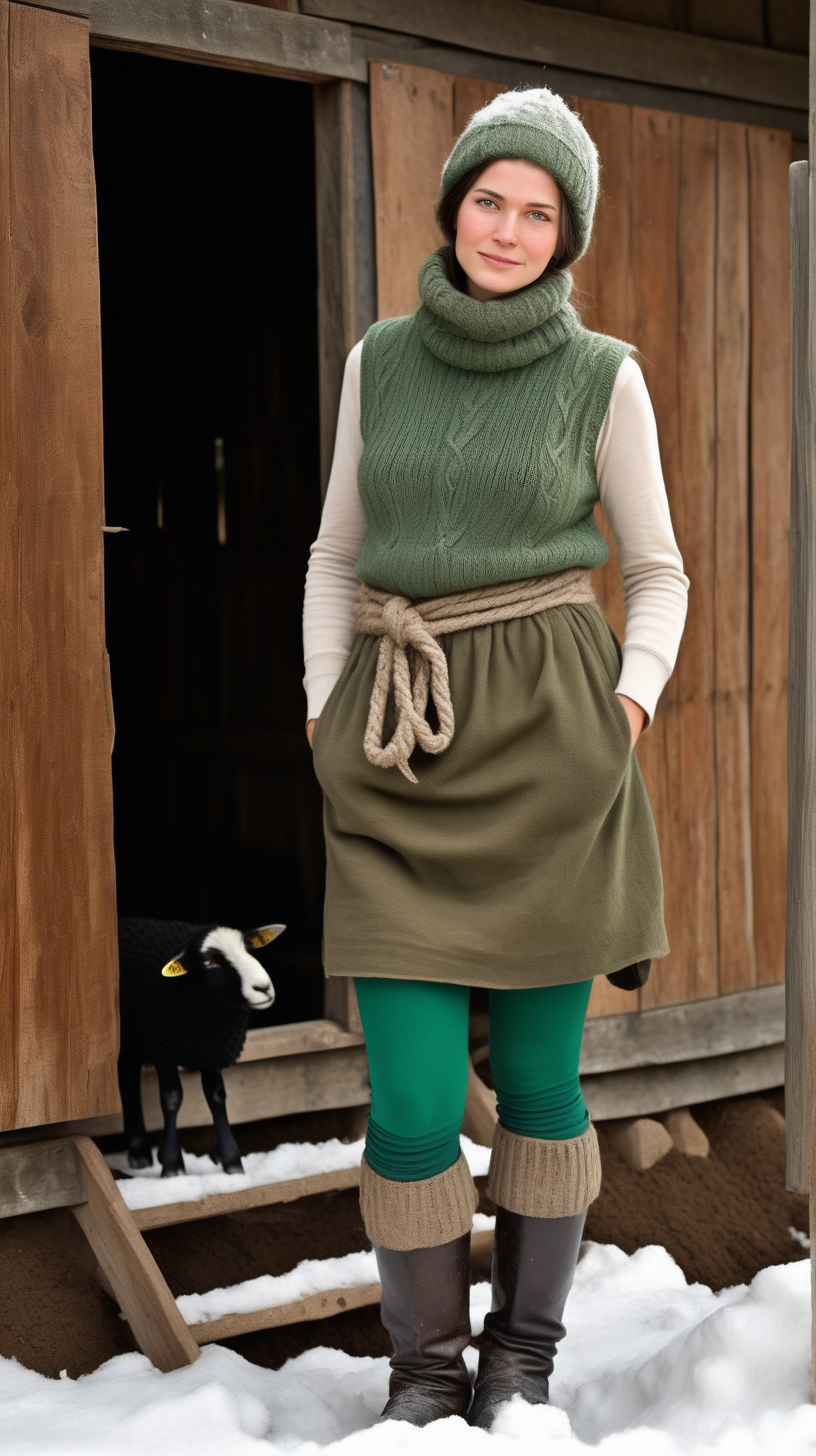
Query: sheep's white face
[256,987]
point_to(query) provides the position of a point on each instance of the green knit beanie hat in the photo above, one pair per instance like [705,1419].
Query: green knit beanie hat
[535,126]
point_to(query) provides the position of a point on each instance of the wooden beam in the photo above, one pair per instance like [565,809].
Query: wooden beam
[316,1306]
[346,293]
[552,36]
[340,1004]
[260,1197]
[128,1266]
[648,1090]
[303,1082]
[296,1038]
[40,1176]
[222,33]
[800,944]
[718,1026]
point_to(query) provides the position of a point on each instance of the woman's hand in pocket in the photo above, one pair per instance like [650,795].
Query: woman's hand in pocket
[310,726]
[635,714]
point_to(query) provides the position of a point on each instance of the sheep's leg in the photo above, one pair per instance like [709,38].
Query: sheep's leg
[170,1094]
[226,1148]
[130,1089]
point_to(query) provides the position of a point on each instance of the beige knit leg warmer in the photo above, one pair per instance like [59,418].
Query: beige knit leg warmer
[418,1215]
[542,1177]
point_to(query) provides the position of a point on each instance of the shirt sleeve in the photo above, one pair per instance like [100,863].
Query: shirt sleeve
[633,495]
[331,580]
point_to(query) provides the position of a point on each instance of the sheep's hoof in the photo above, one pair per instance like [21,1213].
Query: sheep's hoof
[175,1172]
[236,1166]
[140,1160]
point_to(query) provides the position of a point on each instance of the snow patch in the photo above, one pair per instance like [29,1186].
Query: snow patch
[651,1366]
[203,1176]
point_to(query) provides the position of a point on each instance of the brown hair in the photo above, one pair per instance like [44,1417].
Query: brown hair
[447,210]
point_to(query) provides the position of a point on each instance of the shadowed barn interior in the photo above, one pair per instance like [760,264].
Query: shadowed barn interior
[210,390]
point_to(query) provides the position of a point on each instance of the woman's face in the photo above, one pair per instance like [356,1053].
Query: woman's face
[507,228]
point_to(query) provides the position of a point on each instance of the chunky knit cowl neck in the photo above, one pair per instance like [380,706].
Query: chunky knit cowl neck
[503,333]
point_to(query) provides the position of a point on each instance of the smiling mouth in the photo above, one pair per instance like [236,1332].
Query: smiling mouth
[495,258]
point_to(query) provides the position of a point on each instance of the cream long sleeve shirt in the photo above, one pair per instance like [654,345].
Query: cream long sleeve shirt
[633,495]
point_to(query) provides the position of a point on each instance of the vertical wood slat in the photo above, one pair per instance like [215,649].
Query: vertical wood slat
[470,95]
[656,138]
[411,134]
[769,155]
[693,933]
[732,565]
[800,939]
[58,992]
[604,290]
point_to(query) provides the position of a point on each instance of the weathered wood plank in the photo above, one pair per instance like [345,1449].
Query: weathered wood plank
[346,302]
[718,1026]
[60,1030]
[558,37]
[769,155]
[340,1004]
[129,1267]
[411,134]
[691,481]
[316,1306]
[800,940]
[604,294]
[297,1037]
[656,139]
[223,33]
[39,1176]
[470,95]
[647,1090]
[732,568]
[303,1082]
[261,1197]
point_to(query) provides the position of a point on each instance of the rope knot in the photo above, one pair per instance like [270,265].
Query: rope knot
[411,663]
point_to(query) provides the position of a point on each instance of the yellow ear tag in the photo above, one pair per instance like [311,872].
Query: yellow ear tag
[173,968]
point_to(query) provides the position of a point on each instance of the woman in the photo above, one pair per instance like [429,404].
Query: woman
[503,838]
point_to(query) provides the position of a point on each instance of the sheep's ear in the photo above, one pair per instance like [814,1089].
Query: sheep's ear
[263,935]
[174,968]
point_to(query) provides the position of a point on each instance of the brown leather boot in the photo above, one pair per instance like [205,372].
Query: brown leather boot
[421,1236]
[542,1188]
[534,1263]
[425,1309]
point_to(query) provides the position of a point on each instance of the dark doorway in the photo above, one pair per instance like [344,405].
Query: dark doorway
[205,185]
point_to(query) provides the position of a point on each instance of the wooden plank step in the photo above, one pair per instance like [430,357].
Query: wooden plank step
[316,1306]
[258,1197]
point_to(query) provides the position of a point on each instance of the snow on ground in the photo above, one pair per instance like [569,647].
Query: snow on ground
[310,1276]
[651,1366]
[202,1177]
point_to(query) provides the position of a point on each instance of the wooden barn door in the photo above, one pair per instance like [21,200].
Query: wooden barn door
[58,971]
[689,262]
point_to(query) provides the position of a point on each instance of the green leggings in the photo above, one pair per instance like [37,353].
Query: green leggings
[417,1038]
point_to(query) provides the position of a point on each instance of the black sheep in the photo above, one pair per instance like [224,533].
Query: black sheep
[185,994]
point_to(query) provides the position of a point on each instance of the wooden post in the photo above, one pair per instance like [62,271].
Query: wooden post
[346,302]
[800,940]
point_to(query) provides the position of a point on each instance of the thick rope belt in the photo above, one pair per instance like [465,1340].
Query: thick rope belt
[412,665]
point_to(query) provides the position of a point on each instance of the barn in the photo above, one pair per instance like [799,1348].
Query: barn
[206,204]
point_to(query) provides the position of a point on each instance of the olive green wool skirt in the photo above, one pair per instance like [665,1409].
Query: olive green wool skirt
[526,855]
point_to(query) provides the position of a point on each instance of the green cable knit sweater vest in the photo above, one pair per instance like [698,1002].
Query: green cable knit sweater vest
[479,425]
